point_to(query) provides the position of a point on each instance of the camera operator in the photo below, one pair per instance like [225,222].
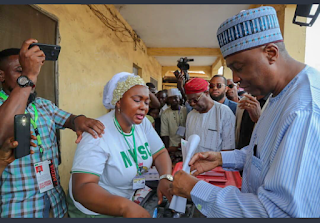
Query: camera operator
[182,78]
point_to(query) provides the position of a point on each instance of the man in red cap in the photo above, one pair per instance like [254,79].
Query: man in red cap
[212,121]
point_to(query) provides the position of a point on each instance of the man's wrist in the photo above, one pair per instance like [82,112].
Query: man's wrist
[220,159]
[33,79]
[73,121]
[191,186]
[3,164]
[31,76]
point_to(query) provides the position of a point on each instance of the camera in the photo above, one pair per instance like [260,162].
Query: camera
[50,51]
[184,67]
[183,63]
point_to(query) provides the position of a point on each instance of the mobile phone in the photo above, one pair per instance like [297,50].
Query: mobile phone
[50,51]
[22,135]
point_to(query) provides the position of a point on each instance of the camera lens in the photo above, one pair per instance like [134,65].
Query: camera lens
[52,53]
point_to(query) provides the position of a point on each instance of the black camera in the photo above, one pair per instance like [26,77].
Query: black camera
[183,63]
[50,51]
[184,67]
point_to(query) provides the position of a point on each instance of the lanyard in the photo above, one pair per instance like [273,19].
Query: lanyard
[134,155]
[33,122]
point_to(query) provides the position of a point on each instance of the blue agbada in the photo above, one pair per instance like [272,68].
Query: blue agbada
[281,168]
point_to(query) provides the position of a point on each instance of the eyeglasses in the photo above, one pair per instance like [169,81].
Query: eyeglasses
[219,85]
[195,100]
[231,85]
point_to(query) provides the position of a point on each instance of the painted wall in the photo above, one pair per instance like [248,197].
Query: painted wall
[294,35]
[91,54]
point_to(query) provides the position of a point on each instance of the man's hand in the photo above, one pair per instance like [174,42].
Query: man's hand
[183,184]
[252,105]
[31,60]
[92,126]
[180,80]
[205,161]
[6,150]
[164,190]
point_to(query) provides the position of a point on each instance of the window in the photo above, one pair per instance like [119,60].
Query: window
[137,70]
[154,81]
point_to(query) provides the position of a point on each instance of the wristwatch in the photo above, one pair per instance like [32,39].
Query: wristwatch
[24,81]
[166,176]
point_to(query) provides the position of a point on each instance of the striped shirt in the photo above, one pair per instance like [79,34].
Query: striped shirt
[20,196]
[281,177]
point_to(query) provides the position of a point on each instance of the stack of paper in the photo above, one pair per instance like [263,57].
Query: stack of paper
[188,148]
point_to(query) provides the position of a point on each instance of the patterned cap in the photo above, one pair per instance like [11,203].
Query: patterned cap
[248,29]
[196,85]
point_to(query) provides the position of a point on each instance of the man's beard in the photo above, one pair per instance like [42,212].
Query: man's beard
[217,98]
[32,97]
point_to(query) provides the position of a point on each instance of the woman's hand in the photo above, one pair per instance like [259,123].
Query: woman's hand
[134,210]
[164,190]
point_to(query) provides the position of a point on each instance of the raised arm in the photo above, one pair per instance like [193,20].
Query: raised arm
[31,61]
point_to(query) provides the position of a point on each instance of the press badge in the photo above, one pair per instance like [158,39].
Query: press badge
[181,130]
[43,175]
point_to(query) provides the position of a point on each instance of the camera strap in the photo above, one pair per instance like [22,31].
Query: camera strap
[33,122]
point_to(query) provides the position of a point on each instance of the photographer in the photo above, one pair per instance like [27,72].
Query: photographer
[182,78]
[19,70]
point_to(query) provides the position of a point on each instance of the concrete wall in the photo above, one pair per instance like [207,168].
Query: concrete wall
[91,54]
[294,35]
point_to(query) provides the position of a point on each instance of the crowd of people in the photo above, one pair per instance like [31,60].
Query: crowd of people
[269,133]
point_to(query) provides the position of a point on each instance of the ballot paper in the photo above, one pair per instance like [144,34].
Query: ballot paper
[188,148]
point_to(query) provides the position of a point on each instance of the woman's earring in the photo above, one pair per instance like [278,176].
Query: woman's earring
[119,110]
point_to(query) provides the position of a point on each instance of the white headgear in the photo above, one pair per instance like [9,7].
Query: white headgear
[117,86]
[174,92]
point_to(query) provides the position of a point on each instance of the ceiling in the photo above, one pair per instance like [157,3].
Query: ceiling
[183,26]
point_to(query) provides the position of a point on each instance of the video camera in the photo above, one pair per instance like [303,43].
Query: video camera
[184,67]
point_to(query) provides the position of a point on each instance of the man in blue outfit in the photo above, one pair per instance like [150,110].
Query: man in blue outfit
[218,89]
[281,168]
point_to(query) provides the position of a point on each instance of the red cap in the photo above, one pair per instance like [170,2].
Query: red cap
[196,85]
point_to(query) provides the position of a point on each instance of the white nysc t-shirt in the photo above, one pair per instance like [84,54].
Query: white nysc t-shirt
[108,157]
